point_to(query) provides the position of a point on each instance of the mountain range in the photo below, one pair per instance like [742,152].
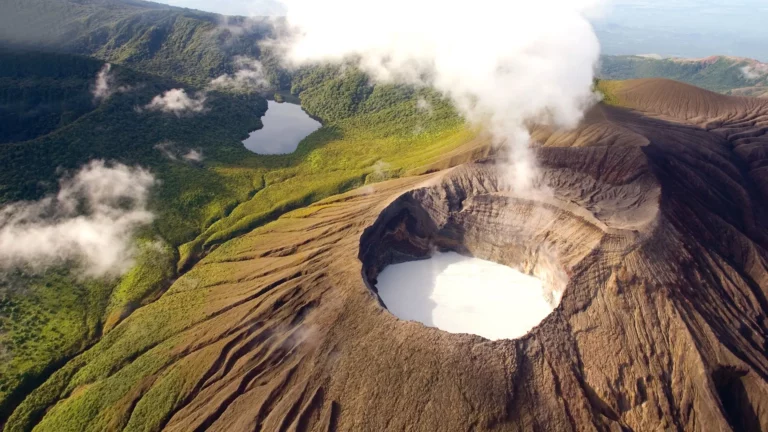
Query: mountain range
[729,75]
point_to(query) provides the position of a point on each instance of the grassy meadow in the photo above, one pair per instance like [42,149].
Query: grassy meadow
[370,133]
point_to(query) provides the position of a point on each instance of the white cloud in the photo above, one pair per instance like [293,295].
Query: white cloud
[168,149]
[249,76]
[755,71]
[502,63]
[173,152]
[91,220]
[104,87]
[176,101]
[423,105]
[194,156]
[101,89]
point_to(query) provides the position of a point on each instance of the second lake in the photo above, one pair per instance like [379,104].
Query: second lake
[285,125]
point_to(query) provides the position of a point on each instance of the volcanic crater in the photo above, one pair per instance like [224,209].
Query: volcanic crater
[653,228]
[471,212]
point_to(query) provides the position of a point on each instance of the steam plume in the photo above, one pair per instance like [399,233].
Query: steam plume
[502,63]
[92,219]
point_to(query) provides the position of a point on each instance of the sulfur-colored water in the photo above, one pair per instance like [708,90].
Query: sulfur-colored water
[460,294]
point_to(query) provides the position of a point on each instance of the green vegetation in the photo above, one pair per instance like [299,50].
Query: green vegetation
[719,74]
[41,92]
[154,268]
[609,90]
[381,134]
[370,133]
[47,318]
[47,321]
[186,45]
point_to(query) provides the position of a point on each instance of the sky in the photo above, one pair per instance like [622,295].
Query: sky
[686,28]
[231,7]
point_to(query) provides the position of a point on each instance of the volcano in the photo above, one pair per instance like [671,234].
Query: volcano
[654,232]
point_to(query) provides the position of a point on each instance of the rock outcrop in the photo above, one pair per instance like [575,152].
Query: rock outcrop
[654,225]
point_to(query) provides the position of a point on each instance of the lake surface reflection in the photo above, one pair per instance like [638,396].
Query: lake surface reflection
[285,125]
[461,294]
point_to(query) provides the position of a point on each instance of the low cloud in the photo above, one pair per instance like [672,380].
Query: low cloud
[168,149]
[651,56]
[92,220]
[249,76]
[177,102]
[104,87]
[424,106]
[173,152]
[193,156]
[754,72]
[235,27]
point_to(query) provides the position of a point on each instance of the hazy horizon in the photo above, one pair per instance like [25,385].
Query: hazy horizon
[684,28]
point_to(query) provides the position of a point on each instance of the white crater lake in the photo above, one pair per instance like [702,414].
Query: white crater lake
[285,125]
[461,294]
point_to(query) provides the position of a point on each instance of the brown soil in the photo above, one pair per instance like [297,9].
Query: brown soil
[656,225]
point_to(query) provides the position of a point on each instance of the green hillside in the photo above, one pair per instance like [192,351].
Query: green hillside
[186,45]
[47,318]
[727,75]
[40,93]
[370,133]
[51,124]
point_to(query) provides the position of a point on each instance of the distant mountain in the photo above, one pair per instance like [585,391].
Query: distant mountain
[684,28]
[187,45]
[728,75]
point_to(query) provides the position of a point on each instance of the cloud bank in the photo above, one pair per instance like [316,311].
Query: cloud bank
[502,63]
[91,220]
[177,102]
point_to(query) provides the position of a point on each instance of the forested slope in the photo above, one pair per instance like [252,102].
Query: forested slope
[40,93]
[729,75]
[370,133]
[183,44]
[52,125]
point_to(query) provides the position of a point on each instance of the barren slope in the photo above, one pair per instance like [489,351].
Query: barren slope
[656,225]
